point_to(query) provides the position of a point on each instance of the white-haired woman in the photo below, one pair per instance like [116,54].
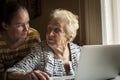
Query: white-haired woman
[57,56]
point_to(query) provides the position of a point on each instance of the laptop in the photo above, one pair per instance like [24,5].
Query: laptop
[63,78]
[97,62]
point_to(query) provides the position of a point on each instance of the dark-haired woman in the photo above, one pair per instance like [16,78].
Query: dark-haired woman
[16,35]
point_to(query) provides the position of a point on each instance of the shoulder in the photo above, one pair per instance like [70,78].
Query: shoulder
[33,35]
[75,49]
[33,31]
[74,46]
[41,49]
[40,46]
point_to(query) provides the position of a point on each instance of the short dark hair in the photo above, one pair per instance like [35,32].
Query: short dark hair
[10,10]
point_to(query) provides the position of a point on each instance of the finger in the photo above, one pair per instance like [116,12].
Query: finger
[46,75]
[42,75]
[34,77]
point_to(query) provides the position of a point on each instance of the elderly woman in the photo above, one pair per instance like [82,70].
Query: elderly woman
[57,56]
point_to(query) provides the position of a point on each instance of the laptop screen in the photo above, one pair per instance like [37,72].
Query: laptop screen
[98,62]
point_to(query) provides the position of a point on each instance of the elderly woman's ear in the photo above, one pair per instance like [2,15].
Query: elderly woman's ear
[69,38]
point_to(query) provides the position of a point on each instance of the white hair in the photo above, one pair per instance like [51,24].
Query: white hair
[72,24]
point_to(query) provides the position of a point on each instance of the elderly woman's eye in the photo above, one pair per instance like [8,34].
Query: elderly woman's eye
[57,30]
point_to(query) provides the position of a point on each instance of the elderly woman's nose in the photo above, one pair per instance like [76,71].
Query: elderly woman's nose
[51,33]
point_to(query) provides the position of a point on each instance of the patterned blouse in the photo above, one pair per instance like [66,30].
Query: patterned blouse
[42,58]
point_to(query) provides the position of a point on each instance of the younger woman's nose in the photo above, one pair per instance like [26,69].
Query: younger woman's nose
[26,27]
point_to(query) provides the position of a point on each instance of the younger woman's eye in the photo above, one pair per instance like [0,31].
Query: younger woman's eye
[22,24]
[19,25]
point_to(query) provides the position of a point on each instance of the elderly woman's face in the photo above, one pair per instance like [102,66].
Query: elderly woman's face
[55,35]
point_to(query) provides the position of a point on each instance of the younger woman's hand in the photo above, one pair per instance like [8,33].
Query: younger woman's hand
[37,75]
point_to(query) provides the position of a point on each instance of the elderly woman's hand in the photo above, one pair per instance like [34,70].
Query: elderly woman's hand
[36,75]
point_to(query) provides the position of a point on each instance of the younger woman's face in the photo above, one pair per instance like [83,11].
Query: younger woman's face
[18,28]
